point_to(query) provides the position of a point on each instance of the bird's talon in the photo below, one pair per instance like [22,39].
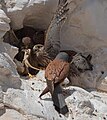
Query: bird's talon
[30,76]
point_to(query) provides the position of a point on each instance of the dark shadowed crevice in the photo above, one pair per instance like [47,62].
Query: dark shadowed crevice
[14,37]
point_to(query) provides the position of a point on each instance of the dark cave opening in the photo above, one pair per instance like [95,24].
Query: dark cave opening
[15,38]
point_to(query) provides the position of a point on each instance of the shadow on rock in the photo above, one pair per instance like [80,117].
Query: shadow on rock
[12,82]
[2,111]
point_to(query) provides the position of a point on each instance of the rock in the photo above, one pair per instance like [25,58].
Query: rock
[30,13]
[6,63]
[99,106]
[10,50]
[12,115]
[1,95]
[82,26]
[4,23]
[9,82]
[8,74]
[6,57]
[86,107]
[27,102]
[2,108]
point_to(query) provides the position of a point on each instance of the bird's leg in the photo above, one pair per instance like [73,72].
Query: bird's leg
[50,84]
[30,76]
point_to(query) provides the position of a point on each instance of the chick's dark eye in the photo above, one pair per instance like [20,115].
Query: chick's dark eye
[83,62]
[39,46]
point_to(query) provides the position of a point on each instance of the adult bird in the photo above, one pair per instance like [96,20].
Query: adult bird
[55,73]
[78,64]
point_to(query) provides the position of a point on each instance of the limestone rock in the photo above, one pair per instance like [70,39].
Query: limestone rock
[27,102]
[8,74]
[4,23]
[30,13]
[84,31]
[6,60]
[12,115]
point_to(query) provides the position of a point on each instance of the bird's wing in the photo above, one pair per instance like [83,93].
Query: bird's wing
[52,40]
[62,71]
[50,75]
[50,84]
[56,72]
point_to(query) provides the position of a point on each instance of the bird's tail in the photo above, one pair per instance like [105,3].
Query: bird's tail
[59,100]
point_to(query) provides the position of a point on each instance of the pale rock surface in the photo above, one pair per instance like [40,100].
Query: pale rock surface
[84,31]
[12,115]
[34,13]
[9,77]
[82,104]
[4,23]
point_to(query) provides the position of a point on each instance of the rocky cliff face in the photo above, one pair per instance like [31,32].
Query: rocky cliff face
[84,31]
[30,12]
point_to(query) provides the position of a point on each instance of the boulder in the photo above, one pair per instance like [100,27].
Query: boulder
[4,23]
[33,13]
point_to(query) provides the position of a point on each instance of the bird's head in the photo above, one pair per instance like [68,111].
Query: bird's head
[37,49]
[83,63]
[26,40]
[62,56]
